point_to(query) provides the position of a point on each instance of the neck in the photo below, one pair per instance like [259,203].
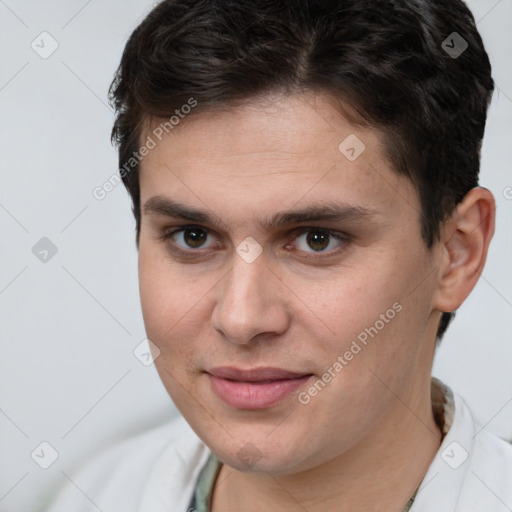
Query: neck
[380,473]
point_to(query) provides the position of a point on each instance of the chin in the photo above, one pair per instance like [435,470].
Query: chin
[251,460]
[260,455]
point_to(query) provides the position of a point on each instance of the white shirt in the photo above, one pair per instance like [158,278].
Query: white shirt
[156,471]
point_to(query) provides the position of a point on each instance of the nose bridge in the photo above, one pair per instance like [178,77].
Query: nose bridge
[246,304]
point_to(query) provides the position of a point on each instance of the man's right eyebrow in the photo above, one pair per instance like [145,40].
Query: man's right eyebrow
[159,205]
[328,211]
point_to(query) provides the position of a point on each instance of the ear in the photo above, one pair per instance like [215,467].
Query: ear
[465,237]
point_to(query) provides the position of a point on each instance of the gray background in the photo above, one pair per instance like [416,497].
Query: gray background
[68,375]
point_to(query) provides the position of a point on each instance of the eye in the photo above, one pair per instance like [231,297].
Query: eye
[187,240]
[188,237]
[319,240]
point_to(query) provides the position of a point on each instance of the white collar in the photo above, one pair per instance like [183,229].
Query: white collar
[442,484]
[453,483]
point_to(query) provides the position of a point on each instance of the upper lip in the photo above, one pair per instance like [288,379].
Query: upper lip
[254,374]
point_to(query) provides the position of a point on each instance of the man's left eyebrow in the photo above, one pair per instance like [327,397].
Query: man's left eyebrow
[329,211]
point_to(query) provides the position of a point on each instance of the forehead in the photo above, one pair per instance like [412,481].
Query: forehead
[275,151]
[274,124]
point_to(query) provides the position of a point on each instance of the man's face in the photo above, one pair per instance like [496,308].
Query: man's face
[351,317]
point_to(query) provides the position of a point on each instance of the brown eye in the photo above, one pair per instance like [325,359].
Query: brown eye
[194,237]
[191,242]
[319,240]
[186,238]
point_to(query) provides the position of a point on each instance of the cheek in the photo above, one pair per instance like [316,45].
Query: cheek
[371,305]
[350,301]
[165,296]
[167,303]
[168,312]
[176,307]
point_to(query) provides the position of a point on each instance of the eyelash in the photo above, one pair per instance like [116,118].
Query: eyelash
[341,237]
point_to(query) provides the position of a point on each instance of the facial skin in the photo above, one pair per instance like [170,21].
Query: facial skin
[299,309]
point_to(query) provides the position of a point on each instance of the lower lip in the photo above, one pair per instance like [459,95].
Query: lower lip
[245,395]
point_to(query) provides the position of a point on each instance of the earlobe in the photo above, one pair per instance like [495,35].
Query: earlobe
[466,240]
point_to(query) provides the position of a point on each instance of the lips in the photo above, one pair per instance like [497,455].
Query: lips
[254,375]
[256,388]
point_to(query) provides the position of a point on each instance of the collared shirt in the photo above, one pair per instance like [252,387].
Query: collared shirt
[443,408]
[201,501]
[157,471]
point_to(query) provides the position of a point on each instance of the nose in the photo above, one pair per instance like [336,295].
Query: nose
[251,303]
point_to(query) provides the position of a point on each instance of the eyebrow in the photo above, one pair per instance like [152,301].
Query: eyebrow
[329,211]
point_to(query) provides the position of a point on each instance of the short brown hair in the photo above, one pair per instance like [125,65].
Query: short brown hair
[388,57]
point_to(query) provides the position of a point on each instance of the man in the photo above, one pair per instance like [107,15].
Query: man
[304,178]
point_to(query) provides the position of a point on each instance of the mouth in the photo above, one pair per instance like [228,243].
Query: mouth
[257,388]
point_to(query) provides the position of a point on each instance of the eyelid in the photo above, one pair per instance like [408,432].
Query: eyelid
[342,237]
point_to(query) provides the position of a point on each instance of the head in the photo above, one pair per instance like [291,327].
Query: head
[245,110]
